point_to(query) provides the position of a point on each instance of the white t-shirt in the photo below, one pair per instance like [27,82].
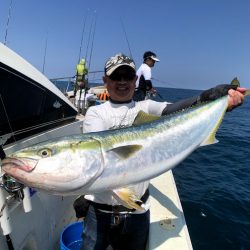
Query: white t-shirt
[112,116]
[145,71]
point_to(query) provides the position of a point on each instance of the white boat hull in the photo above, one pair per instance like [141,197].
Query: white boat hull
[41,227]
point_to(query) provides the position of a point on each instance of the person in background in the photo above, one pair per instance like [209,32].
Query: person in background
[81,72]
[143,84]
[107,221]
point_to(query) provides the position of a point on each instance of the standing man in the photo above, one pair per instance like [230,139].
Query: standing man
[107,221]
[81,72]
[143,83]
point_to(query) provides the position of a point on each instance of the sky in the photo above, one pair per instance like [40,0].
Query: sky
[200,43]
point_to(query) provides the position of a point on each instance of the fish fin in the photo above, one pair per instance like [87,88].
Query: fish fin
[128,198]
[143,117]
[247,92]
[209,141]
[235,82]
[211,137]
[126,151]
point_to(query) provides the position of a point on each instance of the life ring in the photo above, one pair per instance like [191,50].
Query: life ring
[104,96]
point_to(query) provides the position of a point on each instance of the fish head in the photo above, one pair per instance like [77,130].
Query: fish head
[60,166]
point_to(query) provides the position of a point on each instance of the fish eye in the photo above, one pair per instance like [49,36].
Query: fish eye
[45,152]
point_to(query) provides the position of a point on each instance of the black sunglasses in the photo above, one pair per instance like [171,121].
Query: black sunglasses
[122,75]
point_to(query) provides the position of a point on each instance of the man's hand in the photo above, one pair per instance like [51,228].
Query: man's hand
[235,97]
[153,91]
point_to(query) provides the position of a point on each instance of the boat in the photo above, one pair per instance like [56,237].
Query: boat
[29,102]
[31,219]
[168,228]
[32,110]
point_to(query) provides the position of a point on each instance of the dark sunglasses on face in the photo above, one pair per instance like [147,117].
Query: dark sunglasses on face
[126,76]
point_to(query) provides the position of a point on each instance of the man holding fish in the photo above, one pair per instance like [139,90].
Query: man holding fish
[108,221]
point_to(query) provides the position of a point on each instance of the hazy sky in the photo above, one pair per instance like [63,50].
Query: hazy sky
[200,43]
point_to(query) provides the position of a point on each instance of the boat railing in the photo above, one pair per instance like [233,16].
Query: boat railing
[66,83]
[81,100]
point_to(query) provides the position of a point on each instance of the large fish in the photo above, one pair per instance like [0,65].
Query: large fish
[110,160]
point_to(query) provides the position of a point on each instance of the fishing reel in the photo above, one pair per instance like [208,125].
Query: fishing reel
[15,191]
[12,186]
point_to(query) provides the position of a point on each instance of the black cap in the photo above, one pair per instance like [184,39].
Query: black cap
[151,55]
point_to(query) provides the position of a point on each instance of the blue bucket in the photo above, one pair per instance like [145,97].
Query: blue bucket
[71,237]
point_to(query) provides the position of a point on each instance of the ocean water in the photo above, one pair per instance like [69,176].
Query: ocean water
[214,182]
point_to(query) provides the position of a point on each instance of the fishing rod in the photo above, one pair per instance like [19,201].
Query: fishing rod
[92,44]
[83,30]
[159,95]
[86,59]
[167,83]
[69,77]
[123,27]
[79,57]
[90,31]
[45,51]
[90,58]
[7,25]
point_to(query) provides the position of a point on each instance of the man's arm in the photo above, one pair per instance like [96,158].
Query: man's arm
[149,85]
[235,98]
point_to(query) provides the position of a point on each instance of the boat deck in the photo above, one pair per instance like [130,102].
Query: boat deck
[168,229]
